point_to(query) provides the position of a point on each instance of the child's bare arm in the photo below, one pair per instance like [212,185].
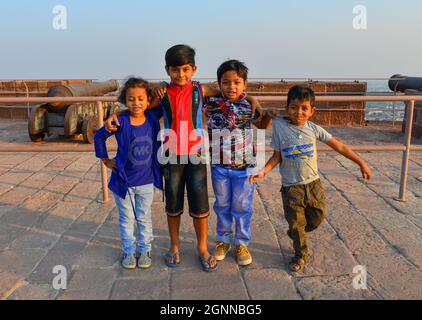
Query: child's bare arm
[265,121]
[256,107]
[109,163]
[159,91]
[344,150]
[155,102]
[112,122]
[210,91]
[271,163]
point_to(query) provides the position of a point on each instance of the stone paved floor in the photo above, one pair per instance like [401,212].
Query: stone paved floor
[50,215]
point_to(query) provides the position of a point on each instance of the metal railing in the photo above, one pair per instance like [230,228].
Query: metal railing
[405,148]
[366,109]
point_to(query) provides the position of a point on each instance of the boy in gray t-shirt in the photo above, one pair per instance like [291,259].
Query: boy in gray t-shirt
[294,142]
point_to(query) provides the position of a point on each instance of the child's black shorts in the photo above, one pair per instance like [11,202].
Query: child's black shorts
[194,176]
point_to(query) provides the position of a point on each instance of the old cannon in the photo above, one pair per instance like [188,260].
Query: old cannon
[71,119]
[402,83]
[411,86]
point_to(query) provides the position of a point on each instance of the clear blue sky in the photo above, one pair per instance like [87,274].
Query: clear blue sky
[275,38]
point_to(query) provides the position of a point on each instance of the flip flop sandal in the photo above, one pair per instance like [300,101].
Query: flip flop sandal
[296,264]
[173,257]
[206,264]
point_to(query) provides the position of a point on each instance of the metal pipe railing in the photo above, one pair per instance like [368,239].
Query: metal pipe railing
[57,99]
[405,160]
[6,147]
[260,98]
[283,108]
[405,148]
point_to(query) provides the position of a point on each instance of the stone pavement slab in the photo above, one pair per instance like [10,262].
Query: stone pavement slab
[89,284]
[226,284]
[33,292]
[394,277]
[270,284]
[331,288]
[51,214]
[141,289]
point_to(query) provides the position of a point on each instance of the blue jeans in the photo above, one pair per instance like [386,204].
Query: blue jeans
[142,197]
[233,201]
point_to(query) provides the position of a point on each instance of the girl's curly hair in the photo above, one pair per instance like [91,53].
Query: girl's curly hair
[133,83]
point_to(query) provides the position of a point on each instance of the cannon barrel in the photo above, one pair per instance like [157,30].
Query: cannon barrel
[79,90]
[401,83]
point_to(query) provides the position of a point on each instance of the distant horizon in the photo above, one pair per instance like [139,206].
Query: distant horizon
[351,79]
[276,39]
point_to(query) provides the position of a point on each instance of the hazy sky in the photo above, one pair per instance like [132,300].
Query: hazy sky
[275,38]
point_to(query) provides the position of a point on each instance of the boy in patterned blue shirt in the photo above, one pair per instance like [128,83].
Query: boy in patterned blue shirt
[232,156]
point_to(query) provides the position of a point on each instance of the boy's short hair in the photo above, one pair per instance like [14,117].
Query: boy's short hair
[133,83]
[301,93]
[180,55]
[233,65]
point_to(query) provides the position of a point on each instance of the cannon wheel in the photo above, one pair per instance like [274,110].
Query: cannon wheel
[89,128]
[38,123]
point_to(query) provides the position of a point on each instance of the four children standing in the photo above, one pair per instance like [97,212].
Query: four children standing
[142,161]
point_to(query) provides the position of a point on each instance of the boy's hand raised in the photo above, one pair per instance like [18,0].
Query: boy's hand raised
[160,91]
[265,121]
[256,108]
[366,172]
[274,113]
[254,178]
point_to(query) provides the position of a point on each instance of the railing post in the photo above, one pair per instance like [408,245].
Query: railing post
[406,152]
[104,176]
[27,96]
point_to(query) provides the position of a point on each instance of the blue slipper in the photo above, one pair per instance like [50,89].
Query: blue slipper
[173,257]
[206,264]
